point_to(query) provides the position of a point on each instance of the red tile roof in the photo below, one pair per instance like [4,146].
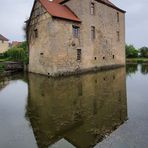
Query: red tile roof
[3,38]
[60,11]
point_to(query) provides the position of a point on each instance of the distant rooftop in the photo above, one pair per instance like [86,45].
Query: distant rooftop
[3,38]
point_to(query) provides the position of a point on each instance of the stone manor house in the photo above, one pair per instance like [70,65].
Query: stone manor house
[70,36]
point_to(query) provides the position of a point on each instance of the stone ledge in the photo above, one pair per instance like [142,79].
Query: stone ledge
[83,71]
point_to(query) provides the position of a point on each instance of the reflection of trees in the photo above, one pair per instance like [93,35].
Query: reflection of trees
[131,69]
[144,69]
[81,110]
[4,81]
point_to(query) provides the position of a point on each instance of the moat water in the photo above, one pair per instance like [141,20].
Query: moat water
[105,109]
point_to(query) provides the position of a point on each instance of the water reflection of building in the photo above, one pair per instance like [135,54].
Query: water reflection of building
[81,110]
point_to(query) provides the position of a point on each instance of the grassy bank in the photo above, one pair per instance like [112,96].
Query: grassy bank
[137,60]
[4,59]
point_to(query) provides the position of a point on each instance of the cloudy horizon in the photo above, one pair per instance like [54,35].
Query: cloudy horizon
[12,20]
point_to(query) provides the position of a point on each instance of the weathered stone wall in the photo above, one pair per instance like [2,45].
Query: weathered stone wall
[100,52]
[4,45]
[55,49]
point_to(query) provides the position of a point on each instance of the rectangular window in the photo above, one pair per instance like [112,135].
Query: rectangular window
[75,30]
[92,8]
[118,17]
[36,33]
[93,32]
[118,36]
[78,54]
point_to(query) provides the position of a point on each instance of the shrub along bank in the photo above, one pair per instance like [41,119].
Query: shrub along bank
[17,54]
[134,55]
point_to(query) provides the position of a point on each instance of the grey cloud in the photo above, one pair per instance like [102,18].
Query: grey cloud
[136,21]
[12,16]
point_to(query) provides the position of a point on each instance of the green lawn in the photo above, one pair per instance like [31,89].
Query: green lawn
[137,60]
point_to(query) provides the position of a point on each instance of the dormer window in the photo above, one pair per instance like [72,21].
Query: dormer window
[92,8]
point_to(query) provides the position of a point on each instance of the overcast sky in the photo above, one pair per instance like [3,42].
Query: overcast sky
[13,13]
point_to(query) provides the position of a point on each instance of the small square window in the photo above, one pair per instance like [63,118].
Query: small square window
[36,33]
[75,30]
[78,54]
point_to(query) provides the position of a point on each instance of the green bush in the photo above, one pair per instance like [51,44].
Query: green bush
[19,53]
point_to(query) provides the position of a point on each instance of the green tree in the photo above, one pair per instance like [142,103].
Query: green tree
[19,53]
[144,52]
[131,51]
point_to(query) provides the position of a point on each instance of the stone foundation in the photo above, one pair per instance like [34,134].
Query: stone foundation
[83,71]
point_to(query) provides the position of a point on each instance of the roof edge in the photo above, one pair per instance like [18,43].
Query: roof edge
[114,7]
[66,19]
[64,1]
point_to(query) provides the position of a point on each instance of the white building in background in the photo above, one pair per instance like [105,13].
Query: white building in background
[4,44]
